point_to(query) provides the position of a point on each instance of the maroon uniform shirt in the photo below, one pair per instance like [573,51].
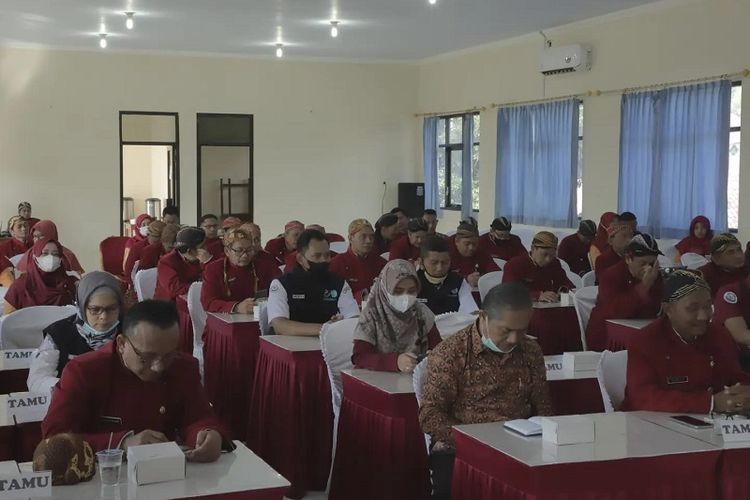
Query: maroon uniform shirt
[502,249]
[225,285]
[549,278]
[174,275]
[576,253]
[359,272]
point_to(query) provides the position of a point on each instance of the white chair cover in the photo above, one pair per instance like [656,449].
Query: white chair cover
[74,274]
[386,255]
[589,279]
[612,375]
[452,322]
[418,377]
[564,265]
[500,263]
[3,291]
[526,234]
[198,318]
[584,300]
[336,344]
[488,281]
[340,246]
[16,259]
[575,279]
[145,284]
[22,329]
[693,260]
[134,271]
[665,261]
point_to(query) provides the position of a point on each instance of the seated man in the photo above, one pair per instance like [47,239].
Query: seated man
[286,243]
[467,258]
[442,290]
[540,270]
[429,216]
[152,253]
[499,243]
[232,283]
[574,249]
[136,251]
[403,219]
[138,390]
[702,373]
[170,215]
[16,245]
[301,301]
[210,225]
[487,372]
[360,264]
[620,235]
[181,267]
[290,260]
[727,264]
[407,247]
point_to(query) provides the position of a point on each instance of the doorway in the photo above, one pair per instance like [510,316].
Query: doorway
[149,165]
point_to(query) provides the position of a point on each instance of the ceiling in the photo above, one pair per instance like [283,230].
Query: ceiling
[370,29]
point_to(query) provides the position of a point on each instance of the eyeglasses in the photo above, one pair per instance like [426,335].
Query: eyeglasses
[98,311]
[241,251]
[149,359]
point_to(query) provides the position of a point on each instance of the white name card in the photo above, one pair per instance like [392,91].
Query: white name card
[25,485]
[735,431]
[554,364]
[23,407]
[15,359]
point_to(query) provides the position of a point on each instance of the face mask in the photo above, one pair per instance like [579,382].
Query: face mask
[433,280]
[48,263]
[401,303]
[90,330]
[143,230]
[490,345]
[318,268]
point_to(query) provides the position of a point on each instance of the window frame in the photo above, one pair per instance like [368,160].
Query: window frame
[735,83]
[449,149]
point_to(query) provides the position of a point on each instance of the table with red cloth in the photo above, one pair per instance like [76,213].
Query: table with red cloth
[631,458]
[14,369]
[380,448]
[572,393]
[556,328]
[291,419]
[186,325]
[230,350]
[620,331]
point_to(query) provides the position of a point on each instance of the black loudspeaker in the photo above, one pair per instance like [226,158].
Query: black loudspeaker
[411,198]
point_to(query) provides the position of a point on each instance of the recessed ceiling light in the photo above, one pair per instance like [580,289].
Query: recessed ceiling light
[129,21]
[103,40]
[279,50]
[432,2]
[334,29]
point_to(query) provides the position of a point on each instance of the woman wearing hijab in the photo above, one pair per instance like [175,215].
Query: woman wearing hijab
[386,231]
[140,233]
[601,240]
[136,252]
[394,331]
[97,322]
[46,229]
[45,283]
[699,239]
[16,245]
[701,373]
[24,211]
[181,267]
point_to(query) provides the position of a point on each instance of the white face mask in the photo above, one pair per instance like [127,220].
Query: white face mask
[401,303]
[143,230]
[48,263]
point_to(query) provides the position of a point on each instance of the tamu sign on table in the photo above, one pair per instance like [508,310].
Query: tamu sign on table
[23,407]
[735,431]
[25,485]
[15,359]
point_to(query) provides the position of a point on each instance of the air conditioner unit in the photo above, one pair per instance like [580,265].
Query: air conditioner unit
[556,60]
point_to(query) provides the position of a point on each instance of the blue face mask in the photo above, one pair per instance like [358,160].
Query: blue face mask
[90,330]
[490,345]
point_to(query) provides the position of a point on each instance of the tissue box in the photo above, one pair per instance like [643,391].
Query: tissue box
[587,361]
[572,429]
[155,463]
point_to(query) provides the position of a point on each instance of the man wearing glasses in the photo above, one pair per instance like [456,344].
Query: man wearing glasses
[138,390]
[232,283]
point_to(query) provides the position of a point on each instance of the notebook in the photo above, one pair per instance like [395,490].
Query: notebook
[530,427]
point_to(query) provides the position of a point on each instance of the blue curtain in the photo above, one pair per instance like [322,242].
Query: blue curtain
[466,166]
[674,157]
[537,159]
[429,155]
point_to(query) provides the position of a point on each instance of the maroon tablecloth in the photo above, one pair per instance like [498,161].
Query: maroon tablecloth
[27,436]
[7,443]
[13,380]
[483,473]
[576,396]
[380,448]
[186,325]
[734,480]
[556,330]
[618,336]
[291,419]
[230,351]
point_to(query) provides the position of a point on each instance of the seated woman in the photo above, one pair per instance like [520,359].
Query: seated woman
[152,253]
[181,267]
[140,233]
[630,289]
[16,245]
[45,283]
[699,239]
[24,211]
[99,300]
[46,229]
[701,371]
[231,284]
[540,270]
[601,240]
[394,330]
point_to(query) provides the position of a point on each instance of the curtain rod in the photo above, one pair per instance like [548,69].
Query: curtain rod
[594,93]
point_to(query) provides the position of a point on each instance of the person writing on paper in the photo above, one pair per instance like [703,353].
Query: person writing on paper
[574,249]
[394,330]
[540,270]
[441,289]
[499,243]
[360,264]
[407,247]
[727,264]
[620,235]
[630,289]
[488,372]
[231,284]
[181,267]
[16,245]
[701,373]
[138,389]
[467,258]
[99,300]
[302,300]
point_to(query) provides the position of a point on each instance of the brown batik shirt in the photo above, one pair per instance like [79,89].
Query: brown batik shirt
[468,384]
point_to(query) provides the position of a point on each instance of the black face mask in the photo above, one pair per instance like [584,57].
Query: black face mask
[318,268]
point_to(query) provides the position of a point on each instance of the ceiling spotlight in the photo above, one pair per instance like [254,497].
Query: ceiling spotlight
[129,21]
[432,2]
[103,40]
[279,50]
[334,29]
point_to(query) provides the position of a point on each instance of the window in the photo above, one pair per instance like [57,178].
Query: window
[450,161]
[733,183]
[579,176]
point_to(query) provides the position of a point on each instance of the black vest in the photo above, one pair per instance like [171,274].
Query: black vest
[67,339]
[441,298]
[312,299]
